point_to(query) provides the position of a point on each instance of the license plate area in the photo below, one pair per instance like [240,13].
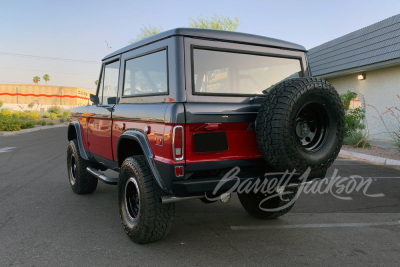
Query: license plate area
[210,142]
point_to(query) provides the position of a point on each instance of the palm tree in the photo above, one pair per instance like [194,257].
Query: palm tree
[36,79]
[46,78]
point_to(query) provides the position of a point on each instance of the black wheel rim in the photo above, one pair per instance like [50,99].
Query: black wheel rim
[73,168]
[311,125]
[132,198]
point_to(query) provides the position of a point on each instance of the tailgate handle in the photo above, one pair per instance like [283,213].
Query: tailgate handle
[212,126]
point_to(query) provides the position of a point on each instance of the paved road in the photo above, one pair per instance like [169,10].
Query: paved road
[43,223]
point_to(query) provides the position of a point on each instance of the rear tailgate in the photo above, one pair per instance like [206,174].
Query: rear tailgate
[220,132]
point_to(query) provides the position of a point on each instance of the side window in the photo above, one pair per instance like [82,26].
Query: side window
[146,75]
[100,88]
[109,84]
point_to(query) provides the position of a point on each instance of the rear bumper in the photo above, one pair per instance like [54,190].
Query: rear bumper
[218,185]
[224,176]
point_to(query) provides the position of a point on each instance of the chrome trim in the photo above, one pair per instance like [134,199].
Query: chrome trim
[173,143]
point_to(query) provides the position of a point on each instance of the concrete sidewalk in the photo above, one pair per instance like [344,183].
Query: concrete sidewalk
[370,158]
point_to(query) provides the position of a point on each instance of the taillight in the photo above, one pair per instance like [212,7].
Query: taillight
[177,143]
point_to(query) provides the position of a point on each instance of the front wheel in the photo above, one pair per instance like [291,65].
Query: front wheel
[80,180]
[144,218]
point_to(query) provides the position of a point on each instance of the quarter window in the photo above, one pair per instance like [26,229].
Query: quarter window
[146,75]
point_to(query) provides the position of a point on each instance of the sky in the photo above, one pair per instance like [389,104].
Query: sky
[67,39]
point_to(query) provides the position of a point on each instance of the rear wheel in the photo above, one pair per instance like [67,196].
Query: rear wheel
[264,206]
[144,218]
[80,180]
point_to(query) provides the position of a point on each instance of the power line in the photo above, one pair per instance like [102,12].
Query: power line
[51,58]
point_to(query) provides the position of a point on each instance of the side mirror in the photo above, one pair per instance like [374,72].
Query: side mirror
[94,99]
[113,100]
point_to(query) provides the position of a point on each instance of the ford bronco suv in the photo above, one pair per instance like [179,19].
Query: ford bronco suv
[175,113]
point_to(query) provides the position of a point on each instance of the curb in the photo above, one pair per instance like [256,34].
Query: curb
[31,130]
[370,158]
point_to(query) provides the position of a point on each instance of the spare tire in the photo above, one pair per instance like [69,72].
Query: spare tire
[300,124]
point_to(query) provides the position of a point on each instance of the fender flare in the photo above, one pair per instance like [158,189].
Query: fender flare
[77,126]
[141,139]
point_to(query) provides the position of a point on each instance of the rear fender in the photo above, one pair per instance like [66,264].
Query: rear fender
[139,136]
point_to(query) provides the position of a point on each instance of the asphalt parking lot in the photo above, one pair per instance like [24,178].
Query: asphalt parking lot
[43,223]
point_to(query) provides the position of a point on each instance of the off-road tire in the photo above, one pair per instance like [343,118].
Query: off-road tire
[288,110]
[279,204]
[80,180]
[153,219]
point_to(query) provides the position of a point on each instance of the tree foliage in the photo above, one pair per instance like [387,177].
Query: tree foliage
[46,78]
[36,79]
[146,32]
[215,22]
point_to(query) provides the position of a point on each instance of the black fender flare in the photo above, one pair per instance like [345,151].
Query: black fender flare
[139,136]
[77,126]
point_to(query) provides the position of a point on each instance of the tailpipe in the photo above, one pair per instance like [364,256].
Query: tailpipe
[172,199]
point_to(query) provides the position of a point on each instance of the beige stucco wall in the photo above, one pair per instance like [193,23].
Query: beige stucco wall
[379,89]
[42,95]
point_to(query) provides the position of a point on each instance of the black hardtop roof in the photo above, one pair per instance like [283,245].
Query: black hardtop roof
[236,37]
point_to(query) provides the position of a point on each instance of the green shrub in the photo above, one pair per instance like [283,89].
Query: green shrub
[67,114]
[55,110]
[50,123]
[27,124]
[354,125]
[30,105]
[15,115]
[1,104]
[12,122]
[41,122]
[8,123]
[59,115]
[6,112]
[356,139]
[354,120]
[22,114]
[46,115]
[397,143]
[53,116]
[34,115]
[355,117]
[62,120]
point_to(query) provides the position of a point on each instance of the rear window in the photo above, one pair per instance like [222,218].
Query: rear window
[220,72]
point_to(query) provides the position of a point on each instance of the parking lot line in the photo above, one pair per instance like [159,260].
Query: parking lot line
[388,177]
[324,225]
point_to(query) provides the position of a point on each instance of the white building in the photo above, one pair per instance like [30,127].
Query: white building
[366,62]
